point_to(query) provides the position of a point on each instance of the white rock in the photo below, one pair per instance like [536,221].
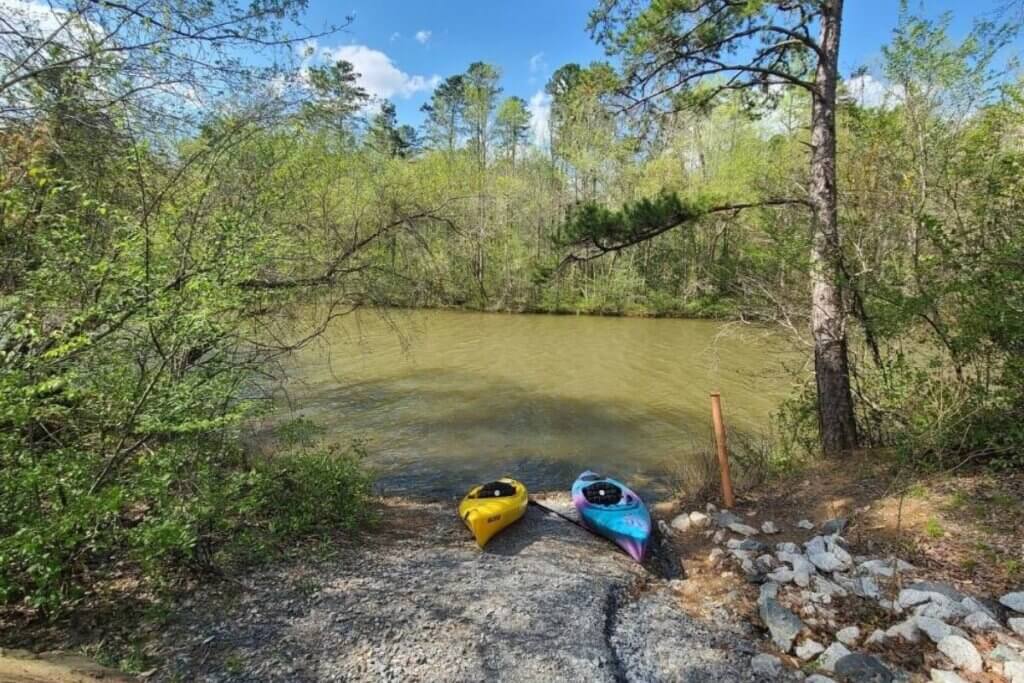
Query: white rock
[769,589]
[682,522]
[848,636]
[1014,671]
[910,597]
[767,665]
[719,536]
[937,630]
[716,555]
[877,637]
[1004,653]
[940,607]
[972,605]
[769,528]
[885,568]
[861,586]
[818,678]
[889,605]
[826,562]
[809,649]
[805,524]
[835,652]
[823,585]
[710,508]
[940,676]
[740,555]
[665,529]
[1016,625]
[781,575]
[742,529]
[787,547]
[962,653]
[802,569]
[906,629]
[979,621]
[816,545]
[699,519]
[1014,601]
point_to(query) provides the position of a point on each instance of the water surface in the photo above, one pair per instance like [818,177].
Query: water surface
[447,399]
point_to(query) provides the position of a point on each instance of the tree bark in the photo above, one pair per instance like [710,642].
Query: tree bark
[836,420]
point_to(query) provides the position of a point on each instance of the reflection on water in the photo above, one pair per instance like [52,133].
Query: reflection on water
[448,399]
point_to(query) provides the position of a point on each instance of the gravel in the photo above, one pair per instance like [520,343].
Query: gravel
[545,601]
[980,621]
[1014,601]
[861,668]
[768,666]
[809,649]
[780,622]
[937,629]
[833,526]
[742,529]
[848,636]
[962,653]
[831,656]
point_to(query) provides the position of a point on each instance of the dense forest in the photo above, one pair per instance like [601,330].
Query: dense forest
[165,202]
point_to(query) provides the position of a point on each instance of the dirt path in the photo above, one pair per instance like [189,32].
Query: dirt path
[545,601]
[19,666]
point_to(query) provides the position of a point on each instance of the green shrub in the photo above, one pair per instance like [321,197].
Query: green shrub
[180,507]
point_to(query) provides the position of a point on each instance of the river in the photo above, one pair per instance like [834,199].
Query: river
[446,399]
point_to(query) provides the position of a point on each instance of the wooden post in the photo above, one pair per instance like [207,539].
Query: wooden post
[728,500]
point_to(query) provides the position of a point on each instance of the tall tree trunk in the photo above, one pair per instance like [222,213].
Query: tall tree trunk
[836,419]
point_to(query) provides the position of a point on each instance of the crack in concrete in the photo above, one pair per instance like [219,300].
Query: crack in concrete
[612,602]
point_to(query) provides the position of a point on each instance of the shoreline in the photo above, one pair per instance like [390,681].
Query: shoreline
[403,600]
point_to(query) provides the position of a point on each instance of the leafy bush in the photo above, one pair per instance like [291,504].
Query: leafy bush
[129,348]
[180,507]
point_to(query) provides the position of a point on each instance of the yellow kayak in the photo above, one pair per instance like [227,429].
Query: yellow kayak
[489,508]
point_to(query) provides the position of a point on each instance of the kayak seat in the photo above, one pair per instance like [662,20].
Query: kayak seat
[602,493]
[496,489]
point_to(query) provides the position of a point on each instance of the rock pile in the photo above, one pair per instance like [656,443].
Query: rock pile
[801,584]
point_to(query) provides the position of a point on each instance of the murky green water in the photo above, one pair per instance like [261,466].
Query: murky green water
[447,399]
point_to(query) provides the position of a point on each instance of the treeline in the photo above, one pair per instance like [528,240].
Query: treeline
[164,206]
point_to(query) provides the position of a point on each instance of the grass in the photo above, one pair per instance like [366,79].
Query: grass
[131,659]
[934,528]
[1014,567]
[233,664]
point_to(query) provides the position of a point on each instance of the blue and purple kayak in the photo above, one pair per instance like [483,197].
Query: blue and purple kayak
[608,507]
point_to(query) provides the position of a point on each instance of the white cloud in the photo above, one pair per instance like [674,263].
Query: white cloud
[423,36]
[39,20]
[869,91]
[394,36]
[537,63]
[540,118]
[378,74]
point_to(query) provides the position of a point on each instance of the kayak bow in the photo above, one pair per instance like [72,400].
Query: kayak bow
[613,510]
[489,508]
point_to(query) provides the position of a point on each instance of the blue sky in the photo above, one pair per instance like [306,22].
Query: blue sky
[404,47]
